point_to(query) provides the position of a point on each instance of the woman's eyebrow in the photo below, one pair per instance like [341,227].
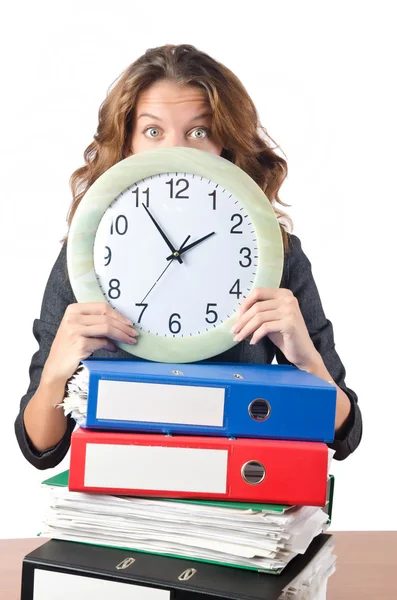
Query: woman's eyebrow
[201,116]
[150,116]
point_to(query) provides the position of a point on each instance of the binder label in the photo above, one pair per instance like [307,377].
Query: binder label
[160,403]
[51,585]
[155,468]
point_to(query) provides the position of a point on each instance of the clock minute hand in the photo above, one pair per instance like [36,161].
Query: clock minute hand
[175,254]
[160,276]
[182,250]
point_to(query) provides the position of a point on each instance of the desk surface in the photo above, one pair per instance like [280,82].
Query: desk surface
[365,569]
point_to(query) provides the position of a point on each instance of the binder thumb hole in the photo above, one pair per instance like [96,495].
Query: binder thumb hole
[259,409]
[253,472]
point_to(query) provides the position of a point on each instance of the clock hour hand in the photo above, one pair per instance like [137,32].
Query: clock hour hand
[175,253]
[182,250]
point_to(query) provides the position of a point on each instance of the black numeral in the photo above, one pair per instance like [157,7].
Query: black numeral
[213,194]
[142,311]
[120,226]
[214,314]
[108,257]
[144,192]
[247,256]
[114,289]
[178,194]
[235,289]
[174,325]
[239,221]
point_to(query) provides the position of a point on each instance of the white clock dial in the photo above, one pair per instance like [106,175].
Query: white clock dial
[205,285]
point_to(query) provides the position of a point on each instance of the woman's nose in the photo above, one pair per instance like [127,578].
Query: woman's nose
[175,139]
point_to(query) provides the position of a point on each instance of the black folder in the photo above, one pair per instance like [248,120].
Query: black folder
[179,579]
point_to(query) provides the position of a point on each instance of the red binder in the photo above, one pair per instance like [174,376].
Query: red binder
[273,471]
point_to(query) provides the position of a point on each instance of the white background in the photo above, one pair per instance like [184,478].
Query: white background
[322,76]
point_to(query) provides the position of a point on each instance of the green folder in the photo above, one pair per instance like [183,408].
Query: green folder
[62,480]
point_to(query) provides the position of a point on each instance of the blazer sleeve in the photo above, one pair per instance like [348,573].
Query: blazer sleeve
[299,279]
[58,295]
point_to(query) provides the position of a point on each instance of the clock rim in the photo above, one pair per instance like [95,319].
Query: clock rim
[134,168]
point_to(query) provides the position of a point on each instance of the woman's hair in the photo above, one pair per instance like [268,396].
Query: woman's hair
[235,121]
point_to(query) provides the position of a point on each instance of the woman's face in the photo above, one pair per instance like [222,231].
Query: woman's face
[168,115]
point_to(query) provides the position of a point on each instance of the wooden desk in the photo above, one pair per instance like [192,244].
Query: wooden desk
[365,569]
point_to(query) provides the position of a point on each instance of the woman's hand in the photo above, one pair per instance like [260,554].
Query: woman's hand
[275,312]
[85,328]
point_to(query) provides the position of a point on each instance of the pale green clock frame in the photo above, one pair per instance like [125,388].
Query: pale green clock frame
[80,247]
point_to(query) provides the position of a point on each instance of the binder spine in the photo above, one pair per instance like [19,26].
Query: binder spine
[271,471]
[191,407]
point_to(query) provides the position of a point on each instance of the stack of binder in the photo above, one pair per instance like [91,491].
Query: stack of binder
[218,463]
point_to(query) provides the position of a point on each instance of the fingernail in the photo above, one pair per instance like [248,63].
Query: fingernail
[237,338]
[234,328]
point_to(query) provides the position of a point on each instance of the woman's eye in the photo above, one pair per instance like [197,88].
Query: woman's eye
[200,133]
[152,132]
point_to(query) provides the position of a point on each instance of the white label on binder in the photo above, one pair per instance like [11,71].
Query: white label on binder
[55,585]
[160,403]
[155,468]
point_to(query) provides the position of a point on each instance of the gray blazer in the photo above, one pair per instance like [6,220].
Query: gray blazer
[297,276]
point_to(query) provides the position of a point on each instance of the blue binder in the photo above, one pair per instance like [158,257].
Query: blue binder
[215,399]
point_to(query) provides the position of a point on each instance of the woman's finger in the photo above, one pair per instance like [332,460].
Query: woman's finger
[259,307]
[96,308]
[101,344]
[265,329]
[256,322]
[103,320]
[108,331]
[260,294]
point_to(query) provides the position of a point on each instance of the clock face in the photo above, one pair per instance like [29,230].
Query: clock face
[175,287]
[174,239]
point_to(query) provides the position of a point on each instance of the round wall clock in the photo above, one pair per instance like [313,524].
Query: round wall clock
[174,239]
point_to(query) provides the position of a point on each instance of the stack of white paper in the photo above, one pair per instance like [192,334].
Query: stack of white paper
[311,583]
[263,539]
[76,393]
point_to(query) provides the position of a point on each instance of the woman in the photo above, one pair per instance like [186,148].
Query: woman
[179,96]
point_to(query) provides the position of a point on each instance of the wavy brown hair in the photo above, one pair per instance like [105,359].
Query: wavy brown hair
[235,121]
